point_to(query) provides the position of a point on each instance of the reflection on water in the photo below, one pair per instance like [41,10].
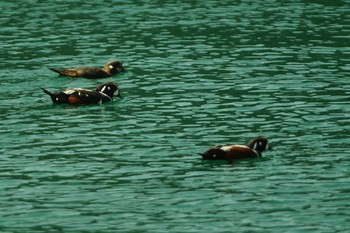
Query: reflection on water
[199,75]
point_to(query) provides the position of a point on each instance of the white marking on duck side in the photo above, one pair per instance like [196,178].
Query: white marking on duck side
[226,148]
[71,91]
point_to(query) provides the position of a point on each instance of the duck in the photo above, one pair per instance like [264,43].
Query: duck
[102,94]
[110,69]
[229,152]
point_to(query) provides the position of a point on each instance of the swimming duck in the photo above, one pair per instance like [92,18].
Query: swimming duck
[103,93]
[253,149]
[110,69]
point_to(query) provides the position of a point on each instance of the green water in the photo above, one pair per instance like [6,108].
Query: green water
[200,73]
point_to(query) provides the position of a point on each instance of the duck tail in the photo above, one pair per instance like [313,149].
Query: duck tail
[55,70]
[47,92]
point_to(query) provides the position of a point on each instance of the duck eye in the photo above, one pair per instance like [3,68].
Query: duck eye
[108,88]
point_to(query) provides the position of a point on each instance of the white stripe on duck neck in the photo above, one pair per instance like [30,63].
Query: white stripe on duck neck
[103,88]
[106,95]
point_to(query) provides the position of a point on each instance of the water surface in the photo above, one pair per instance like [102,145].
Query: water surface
[199,74]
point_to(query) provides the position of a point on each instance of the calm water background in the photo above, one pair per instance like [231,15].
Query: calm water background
[200,73]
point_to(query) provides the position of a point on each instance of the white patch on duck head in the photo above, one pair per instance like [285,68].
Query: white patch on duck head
[111,67]
[116,93]
[256,144]
[103,89]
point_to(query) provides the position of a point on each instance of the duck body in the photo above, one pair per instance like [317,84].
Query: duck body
[253,149]
[103,93]
[110,69]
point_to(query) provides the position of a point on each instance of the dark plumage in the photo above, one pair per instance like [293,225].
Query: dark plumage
[253,149]
[103,93]
[110,69]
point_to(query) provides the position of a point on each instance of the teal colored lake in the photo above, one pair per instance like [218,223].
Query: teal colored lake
[199,74]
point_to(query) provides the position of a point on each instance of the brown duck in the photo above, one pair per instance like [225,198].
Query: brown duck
[253,149]
[110,69]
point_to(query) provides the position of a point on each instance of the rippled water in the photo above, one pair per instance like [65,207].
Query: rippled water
[199,74]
